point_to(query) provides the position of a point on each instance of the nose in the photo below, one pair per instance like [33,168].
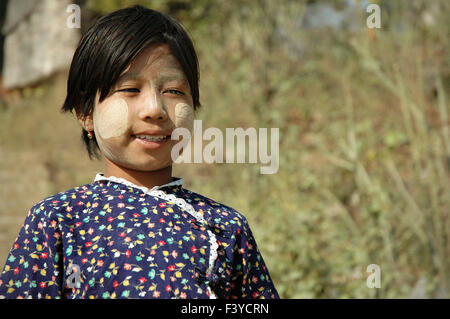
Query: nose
[152,107]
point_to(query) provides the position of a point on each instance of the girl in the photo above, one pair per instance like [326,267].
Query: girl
[135,232]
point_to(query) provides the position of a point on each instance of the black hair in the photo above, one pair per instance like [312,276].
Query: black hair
[109,46]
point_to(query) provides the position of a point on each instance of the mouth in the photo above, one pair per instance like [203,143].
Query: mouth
[151,142]
[152,138]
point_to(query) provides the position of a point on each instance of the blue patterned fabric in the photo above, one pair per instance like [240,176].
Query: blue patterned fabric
[113,239]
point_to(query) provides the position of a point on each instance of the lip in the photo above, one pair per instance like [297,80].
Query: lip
[154,132]
[150,145]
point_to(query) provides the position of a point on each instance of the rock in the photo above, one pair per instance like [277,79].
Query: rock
[38,41]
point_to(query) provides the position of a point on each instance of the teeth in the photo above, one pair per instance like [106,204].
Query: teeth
[153,138]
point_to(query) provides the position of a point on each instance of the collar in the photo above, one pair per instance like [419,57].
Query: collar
[100,177]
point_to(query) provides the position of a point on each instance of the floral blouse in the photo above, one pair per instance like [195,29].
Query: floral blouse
[114,239]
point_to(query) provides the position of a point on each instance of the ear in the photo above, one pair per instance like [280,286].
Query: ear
[86,122]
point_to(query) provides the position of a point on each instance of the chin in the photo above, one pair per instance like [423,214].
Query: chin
[149,167]
[140,163]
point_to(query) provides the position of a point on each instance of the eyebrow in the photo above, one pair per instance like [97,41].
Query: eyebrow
[164,77]
[129,76]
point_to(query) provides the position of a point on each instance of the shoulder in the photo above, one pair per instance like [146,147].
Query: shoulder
[59,204]
[218,213]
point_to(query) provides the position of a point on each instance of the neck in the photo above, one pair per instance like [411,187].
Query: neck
[147,179]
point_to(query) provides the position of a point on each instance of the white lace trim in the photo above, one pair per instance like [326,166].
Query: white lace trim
[120,180]
[155,191]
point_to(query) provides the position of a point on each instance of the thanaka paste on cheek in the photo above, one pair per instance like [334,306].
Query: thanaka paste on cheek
[184,116]
[110,122]
[112,119]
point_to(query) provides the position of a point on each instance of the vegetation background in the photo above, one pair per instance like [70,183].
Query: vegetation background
[364,173]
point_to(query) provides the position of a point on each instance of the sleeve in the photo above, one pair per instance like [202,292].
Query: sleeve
[251,277]
[34,266]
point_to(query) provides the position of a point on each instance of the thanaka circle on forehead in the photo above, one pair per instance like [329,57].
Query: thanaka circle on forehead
[111,120]
[154,51]
[172,69]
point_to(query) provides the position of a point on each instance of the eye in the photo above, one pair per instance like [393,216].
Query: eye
[174,92]
[130,90]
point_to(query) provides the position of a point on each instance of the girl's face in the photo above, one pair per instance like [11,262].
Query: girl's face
[134,122]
